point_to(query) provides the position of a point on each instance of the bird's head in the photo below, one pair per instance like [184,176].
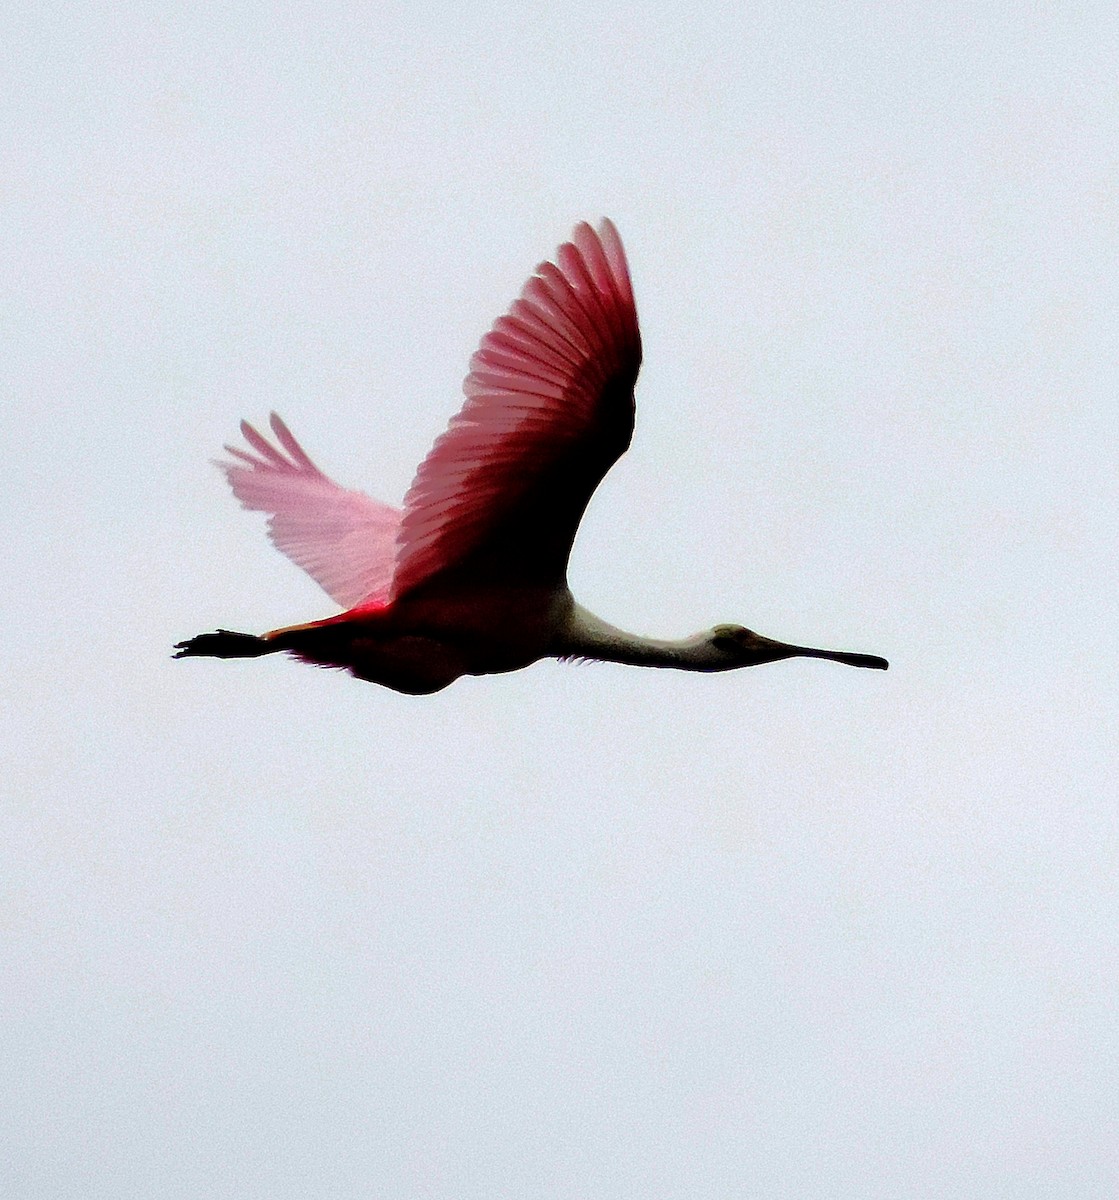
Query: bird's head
[735,646]
[741,647]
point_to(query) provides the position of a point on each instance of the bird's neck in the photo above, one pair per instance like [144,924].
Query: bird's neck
[588,636]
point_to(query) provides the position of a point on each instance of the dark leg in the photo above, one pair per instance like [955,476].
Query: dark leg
[225,644]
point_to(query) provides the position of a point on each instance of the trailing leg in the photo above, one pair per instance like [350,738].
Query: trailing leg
[225,644]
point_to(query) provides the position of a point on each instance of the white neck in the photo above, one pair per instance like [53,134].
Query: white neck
[588,636]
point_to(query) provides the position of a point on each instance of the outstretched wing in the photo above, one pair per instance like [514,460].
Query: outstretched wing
[344,540]
[549,409]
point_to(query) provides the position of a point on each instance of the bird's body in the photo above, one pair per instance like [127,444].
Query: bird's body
[470,577]
[423,643]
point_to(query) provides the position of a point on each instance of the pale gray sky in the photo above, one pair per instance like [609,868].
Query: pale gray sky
[797,932]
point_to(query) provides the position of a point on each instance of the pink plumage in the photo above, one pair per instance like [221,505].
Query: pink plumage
[553,379]
[343,539]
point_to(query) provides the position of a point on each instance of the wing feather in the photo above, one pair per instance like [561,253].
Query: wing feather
[343,539]
[549,409]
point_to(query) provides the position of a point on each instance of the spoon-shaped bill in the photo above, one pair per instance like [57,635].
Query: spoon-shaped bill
[842,656]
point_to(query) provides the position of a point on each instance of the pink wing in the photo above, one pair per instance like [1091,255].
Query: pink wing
[344,540]
[549,409]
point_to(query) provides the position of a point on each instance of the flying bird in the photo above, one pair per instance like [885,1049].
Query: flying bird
[470,577]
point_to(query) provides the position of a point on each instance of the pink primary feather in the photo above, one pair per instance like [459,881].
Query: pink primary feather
[343,539]
[549,410]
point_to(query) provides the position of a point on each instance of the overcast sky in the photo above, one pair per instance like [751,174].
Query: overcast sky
[583,931]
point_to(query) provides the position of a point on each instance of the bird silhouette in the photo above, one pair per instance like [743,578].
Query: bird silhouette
[470,577]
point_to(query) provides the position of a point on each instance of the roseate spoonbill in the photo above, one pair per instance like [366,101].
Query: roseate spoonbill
[470,578]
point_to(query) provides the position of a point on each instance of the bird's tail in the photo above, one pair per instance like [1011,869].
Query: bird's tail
[225,644]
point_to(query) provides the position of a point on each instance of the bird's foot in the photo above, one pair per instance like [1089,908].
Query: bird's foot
[223,644]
